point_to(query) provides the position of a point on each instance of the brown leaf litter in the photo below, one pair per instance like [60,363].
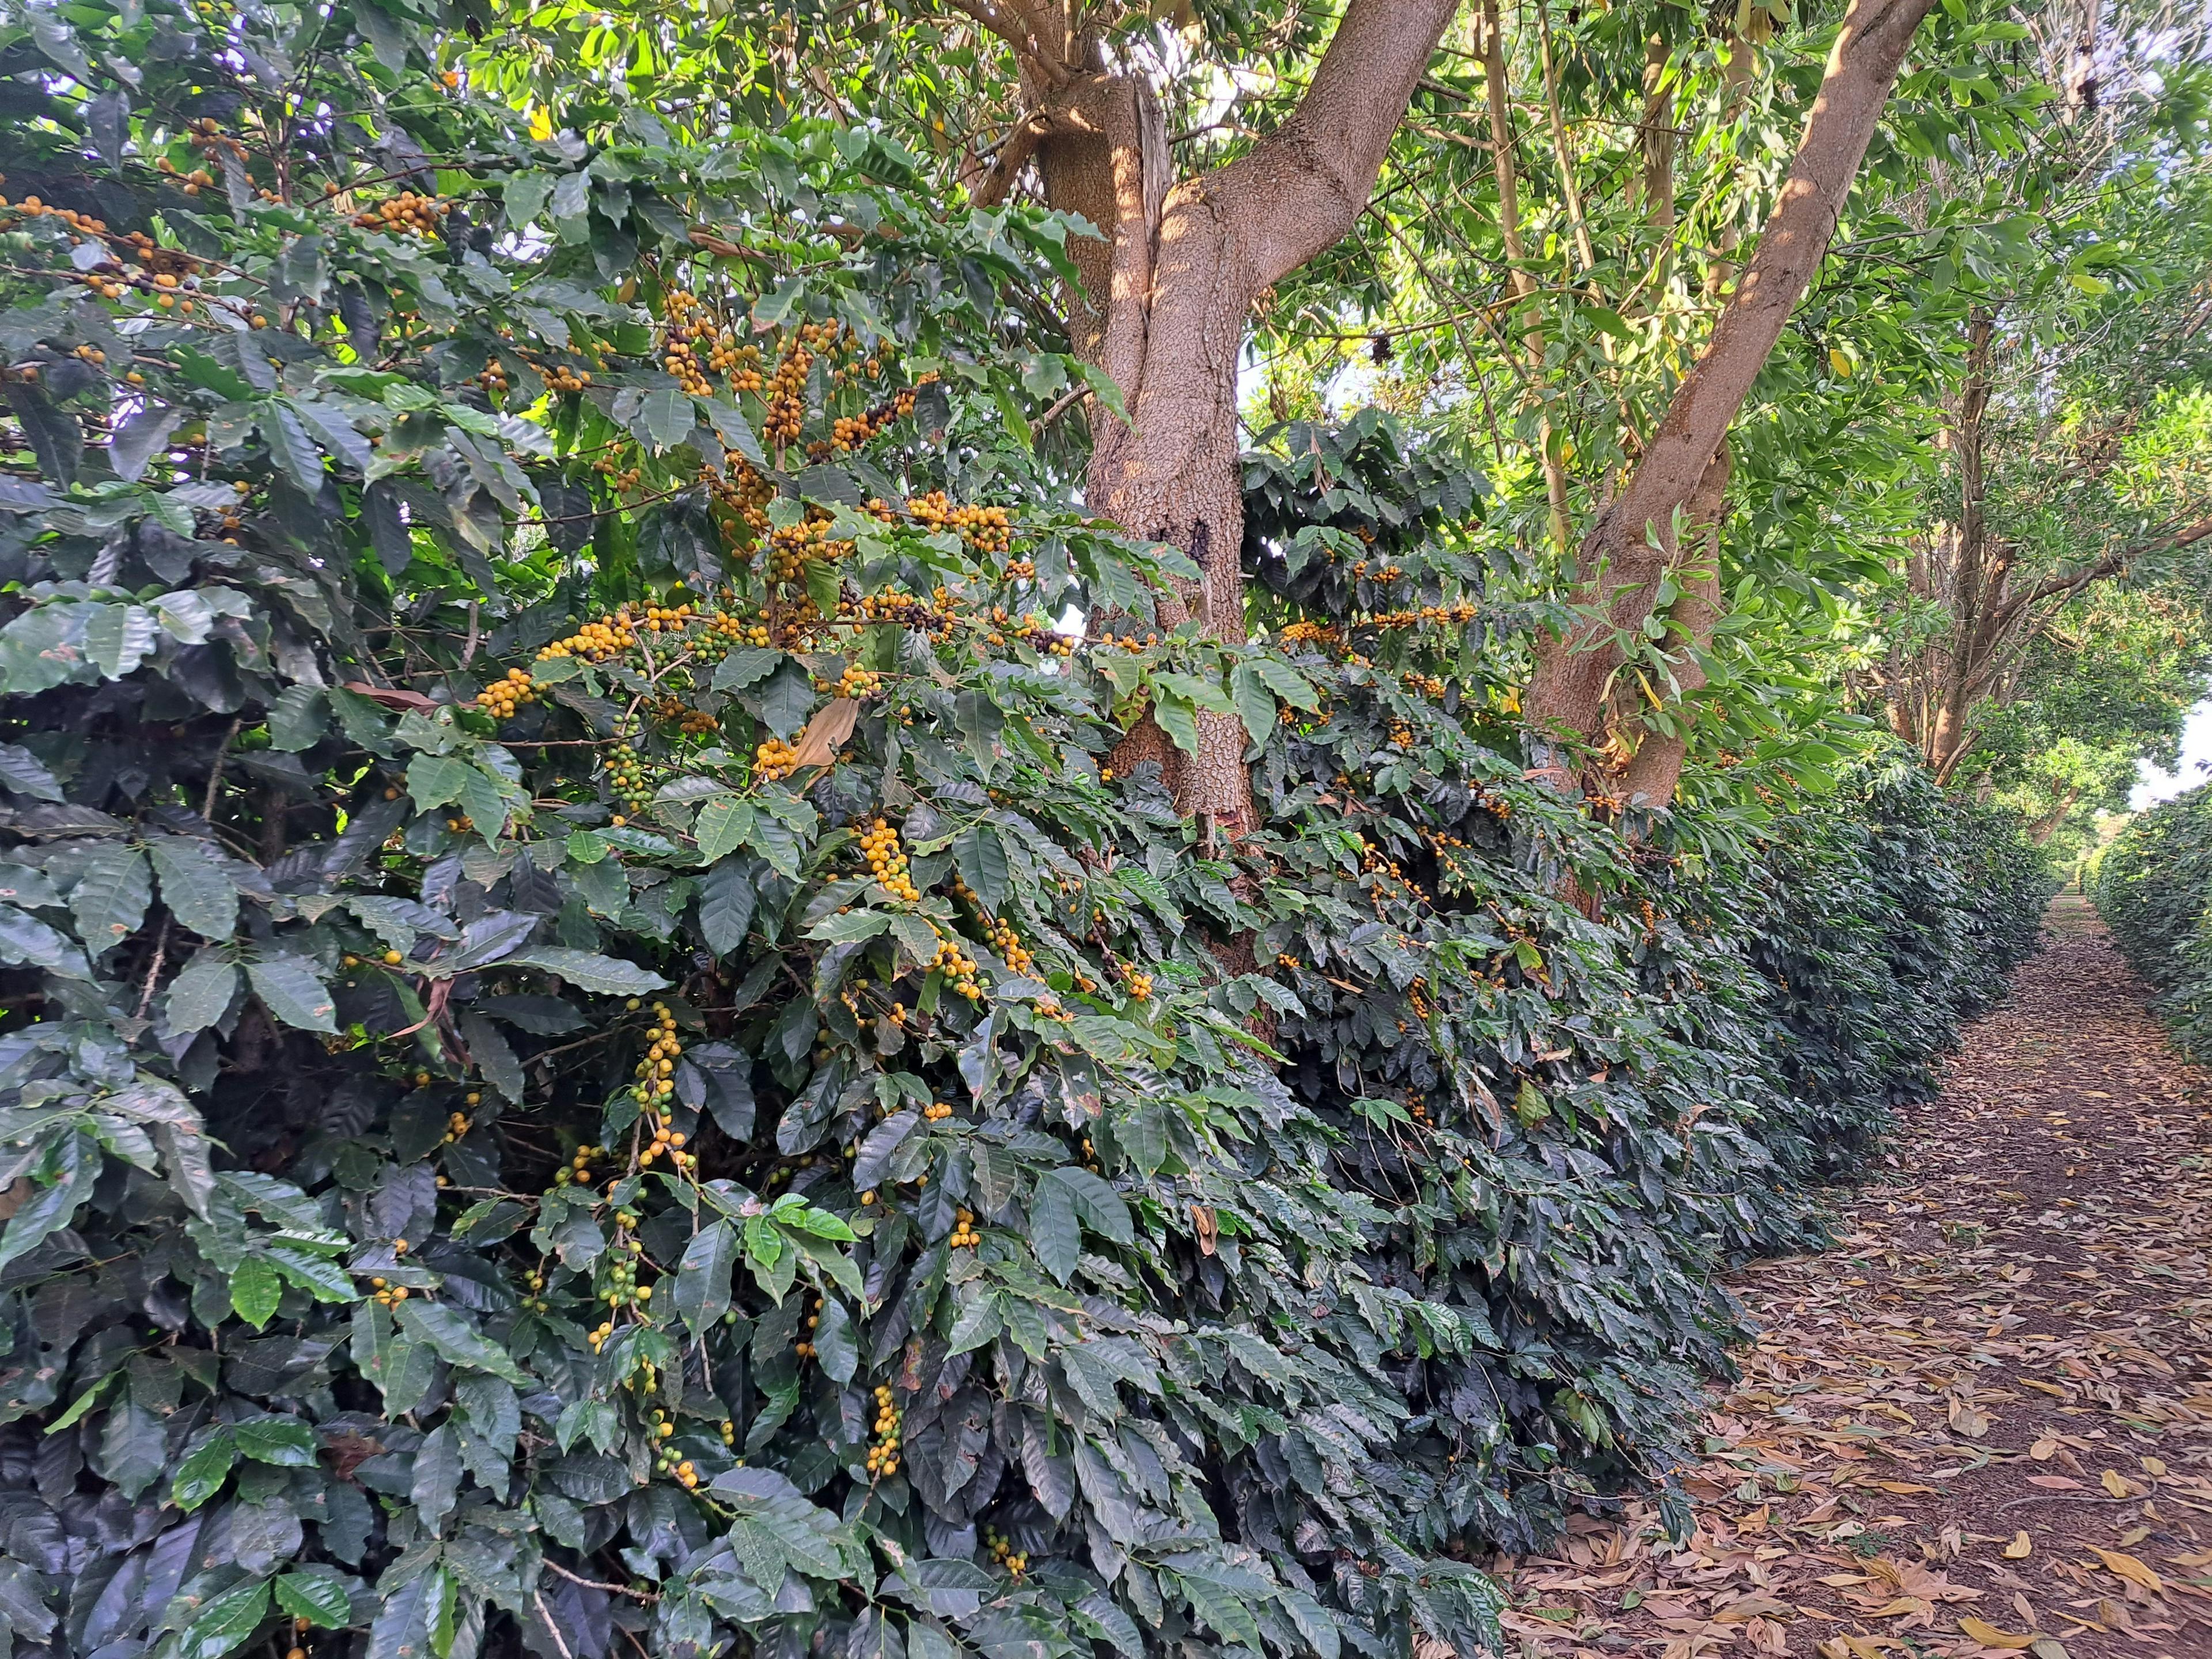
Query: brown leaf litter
[1981,1425]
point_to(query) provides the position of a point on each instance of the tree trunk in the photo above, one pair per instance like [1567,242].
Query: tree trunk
[1648,778]
[1633,544]
[1166,295]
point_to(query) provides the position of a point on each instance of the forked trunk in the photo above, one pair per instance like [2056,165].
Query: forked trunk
[1166,293]
[1633,545]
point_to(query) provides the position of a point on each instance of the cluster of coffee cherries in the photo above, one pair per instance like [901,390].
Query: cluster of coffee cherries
[933,617]
[986,529]
[665,1458]
[965,1236]
[459,1123]
[793,547]
[502,697]
[855,682]
[689,719]
[884,1455]
[851,431]
[668,1142]
[805,1346]
[774,759]
[744,493]
[1139,984]
[655,1074]
[595,640]
[577,1172]
[1015,1561]
[460,823]
[622,1287]
[382,1290]
[785,390]
[406,214]
[887,862]
[935,1112]
[626,780]
[1008,943]
[957,966]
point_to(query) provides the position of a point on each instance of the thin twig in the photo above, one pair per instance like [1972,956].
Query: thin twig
[161,951]
[546,1613]
[556,1568]
[214,772]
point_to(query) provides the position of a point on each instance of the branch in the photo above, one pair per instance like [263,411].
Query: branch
[1864,64]
[1301,189]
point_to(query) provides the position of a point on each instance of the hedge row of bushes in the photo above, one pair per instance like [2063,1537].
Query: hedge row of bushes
[2153,886]
[593,1055]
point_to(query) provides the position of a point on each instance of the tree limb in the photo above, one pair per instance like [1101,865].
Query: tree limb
[1300,189]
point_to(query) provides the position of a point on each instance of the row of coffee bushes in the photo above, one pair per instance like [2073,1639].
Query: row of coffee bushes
[2152,887]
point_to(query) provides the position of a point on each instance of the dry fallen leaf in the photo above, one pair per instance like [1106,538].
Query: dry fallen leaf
[2041,1451]
[2019,1548]
[2115,1483]
[1991,1636]
[818,743]
[2128,1567]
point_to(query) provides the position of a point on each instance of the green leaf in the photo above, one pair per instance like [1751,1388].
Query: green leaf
[406,1624]
[200,993]
[982,858]
[294,450]
[603,975]
[26,775]
[1255,703]
[1055,1233]
[850,925]
[702,1295]
[255,1290]
[456,1341]
[226,1622]
[723,825]
[726,901]
[297,720]
[289,988]
[746,664]
[110,898]
[835,1346]
[285,1442]
[979,1321]
[84,1402]
[317,1594]
[436,780]
[1178,719]
[51,1207]
[664,419]
[26,939]
[202,1473]
[118,637]
[134,1447]
[198,890]
[437,1476]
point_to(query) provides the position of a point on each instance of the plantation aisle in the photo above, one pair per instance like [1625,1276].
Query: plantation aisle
[1983,1423]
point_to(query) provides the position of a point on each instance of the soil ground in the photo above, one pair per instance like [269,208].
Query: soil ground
[1981,1424]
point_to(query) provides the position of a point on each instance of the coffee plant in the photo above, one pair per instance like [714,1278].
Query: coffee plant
[2153,889]
[594,1058]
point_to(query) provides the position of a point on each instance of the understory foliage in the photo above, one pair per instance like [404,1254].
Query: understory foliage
[593,1053]
[2153,886]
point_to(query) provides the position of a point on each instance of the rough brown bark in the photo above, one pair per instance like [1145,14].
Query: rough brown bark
[1166,292]
[1631,545]
[1648,778]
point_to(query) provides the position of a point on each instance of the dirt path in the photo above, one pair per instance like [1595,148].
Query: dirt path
[1983,1424]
